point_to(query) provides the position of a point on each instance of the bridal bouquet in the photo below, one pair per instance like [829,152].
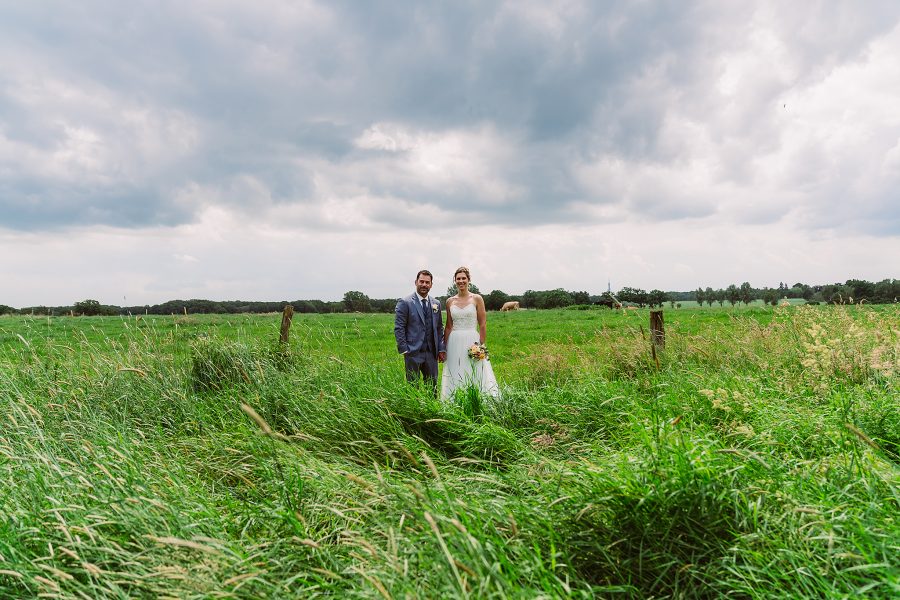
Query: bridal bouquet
[479,351]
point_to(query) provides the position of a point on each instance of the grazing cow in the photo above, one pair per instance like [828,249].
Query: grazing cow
[509,306]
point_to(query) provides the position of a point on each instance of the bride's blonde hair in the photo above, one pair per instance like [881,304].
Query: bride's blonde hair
[462,270]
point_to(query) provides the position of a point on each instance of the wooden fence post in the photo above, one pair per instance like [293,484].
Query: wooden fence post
[286,317]
[657,334]
[657,330]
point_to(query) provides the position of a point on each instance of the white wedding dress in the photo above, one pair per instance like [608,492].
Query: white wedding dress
[460,371]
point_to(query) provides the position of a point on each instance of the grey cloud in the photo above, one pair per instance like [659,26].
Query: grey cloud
[853,211]
[273,88]
[884,221]
[24,205]
[327,139]
[663,207]
[761,212]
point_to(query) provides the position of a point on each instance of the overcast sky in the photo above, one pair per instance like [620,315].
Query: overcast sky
[282,150]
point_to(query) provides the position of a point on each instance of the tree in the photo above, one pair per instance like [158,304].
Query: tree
[746,293]
[451,291]
[641,297]
[861,290]
[886,291]
[710,295]
[383,305]
[606,299]
[770,296]
[495,300]
[88,308]
[800,290]
[6,310]
[581,297]
[556,299]
[836,293]
[306,306]
[732,294]
[634,295]
[700,296]
[357,302]
[657,298]
[530,299]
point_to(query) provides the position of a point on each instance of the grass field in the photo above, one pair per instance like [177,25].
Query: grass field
[191,457]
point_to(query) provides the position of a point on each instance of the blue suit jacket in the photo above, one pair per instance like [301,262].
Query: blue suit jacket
[409,325]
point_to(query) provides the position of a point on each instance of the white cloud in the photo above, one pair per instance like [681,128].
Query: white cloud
[458,161]
[91,134]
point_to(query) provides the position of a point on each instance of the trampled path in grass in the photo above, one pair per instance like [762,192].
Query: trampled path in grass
[194,457]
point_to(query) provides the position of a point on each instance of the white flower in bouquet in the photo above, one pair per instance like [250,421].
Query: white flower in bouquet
[479,351]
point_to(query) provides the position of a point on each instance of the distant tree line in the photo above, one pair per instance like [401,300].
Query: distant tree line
[853,291]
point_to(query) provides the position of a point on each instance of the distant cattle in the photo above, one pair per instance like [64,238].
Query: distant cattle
[509,306]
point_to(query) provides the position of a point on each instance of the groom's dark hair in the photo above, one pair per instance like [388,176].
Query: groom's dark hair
[424,272]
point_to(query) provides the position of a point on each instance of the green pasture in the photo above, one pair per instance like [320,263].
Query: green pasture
[193,456]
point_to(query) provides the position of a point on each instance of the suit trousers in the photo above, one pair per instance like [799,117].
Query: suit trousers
[422,364]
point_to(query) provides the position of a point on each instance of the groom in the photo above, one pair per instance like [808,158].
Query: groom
[419,330]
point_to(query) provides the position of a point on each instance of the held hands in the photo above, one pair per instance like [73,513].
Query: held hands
[442,356]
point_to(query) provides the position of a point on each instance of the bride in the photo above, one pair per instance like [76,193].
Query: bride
[466,325]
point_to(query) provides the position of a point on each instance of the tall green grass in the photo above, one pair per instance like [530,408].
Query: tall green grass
[194,457]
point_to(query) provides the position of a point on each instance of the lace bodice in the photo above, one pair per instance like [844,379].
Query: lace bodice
[464,317]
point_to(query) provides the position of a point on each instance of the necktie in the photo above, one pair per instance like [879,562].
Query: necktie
[429,335]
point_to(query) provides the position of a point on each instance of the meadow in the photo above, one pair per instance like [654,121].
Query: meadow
[195,457]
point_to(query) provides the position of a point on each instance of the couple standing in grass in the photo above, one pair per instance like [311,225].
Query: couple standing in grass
[424,340]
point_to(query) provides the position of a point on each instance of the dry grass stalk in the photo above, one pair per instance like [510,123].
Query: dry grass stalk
[375,583]
[47,582]
[862,436]
[131,370]
[584,511]
[431,466]
[57,573]
[256,418]
[326,572]
[558,500]
[450,560]
[242,577]
[409,455]
[338,512]
[418,494]
[513,526]
[359,481]
[459,526]
[11,573]
[174,541]
[467,570]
